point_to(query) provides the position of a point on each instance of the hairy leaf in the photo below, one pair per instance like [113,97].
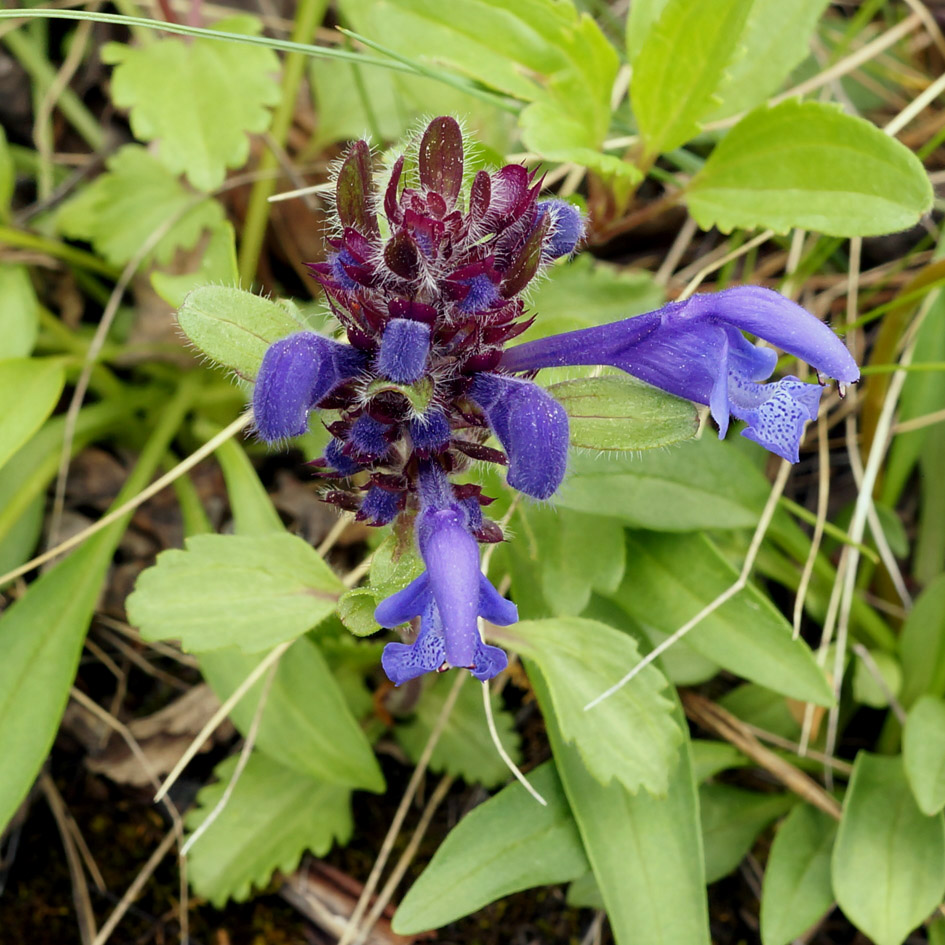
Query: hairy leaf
[809,165]
[645,851]
[19,311]
[306,724]
[234,328]
[198,98]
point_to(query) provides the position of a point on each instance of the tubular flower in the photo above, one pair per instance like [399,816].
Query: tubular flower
[695,349]
[428,302]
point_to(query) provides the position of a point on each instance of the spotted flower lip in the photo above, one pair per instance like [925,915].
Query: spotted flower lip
[695,349]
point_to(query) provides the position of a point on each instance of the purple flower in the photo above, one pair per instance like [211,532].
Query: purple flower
[296,373]
[429,298]
[695,349]
[448,597]
[532,427]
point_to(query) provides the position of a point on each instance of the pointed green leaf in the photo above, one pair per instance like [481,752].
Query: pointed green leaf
[631,736]
[671,578]
[34,386]
[797,890]
[888,863]
[272,817]
[809,165]
[620,413]
[210,96]
[680,66]
[243,591]
[234,328]
[645,851]
[923,753]
[507,844]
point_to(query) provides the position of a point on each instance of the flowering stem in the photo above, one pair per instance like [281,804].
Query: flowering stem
[307,18]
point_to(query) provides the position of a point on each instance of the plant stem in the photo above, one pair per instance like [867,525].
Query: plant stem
[58,250]
[43,74]
[307,18]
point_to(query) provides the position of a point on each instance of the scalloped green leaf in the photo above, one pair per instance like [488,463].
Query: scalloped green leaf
[619,413]
[245,591]
[197,98]
[809,165]
[272,817]
[136,196]
[630,737]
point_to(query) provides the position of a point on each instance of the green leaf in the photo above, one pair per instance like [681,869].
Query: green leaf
[564,556]
[646,852]
[121,209]
[540,51]
[680,67]
[808,165]
[234,328]
[700,484]
[643,14]
[306,724]
[198,98]
[709,758]
[731,821]
[41,637]
[34,386]
[888,865]
[356,611]
[217,266]
[775,40]
[243,591]
[923,753]
[922,645]
[797,890]
[465,748]
[762,708]
[620,413]
[584,893]
[19,311]
[630,737]
[867,688]
[507,844]
[670,578]
[272,817]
